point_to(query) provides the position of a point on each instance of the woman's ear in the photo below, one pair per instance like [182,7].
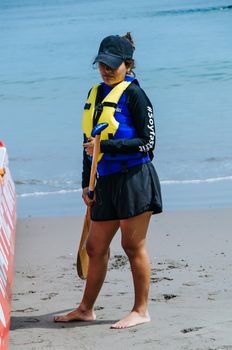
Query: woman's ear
[128,68]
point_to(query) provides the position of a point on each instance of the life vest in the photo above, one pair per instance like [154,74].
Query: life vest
[106,110]
[119,124]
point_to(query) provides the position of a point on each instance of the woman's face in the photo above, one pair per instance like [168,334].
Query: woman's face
[111,76]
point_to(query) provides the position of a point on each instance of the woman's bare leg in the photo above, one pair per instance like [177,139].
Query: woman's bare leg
[134,232]
[100,236]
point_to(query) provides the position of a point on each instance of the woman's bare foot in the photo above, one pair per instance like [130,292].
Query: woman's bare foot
[133,319]
[76,315]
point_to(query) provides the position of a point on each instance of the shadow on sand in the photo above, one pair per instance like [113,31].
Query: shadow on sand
[47,321]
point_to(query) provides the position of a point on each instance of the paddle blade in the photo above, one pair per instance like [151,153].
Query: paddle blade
[82,256]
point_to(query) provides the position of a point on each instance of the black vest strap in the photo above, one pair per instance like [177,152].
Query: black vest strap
[99,105]
[109,104]
[98,108]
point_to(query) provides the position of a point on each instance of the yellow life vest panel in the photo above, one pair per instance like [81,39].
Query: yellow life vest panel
[108,105]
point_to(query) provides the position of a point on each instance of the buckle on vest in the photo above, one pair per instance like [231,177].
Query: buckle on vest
[87,106]
[99,108]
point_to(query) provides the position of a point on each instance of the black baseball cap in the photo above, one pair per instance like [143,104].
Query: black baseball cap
[114,50]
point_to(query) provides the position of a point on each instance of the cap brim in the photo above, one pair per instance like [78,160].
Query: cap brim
[110,60]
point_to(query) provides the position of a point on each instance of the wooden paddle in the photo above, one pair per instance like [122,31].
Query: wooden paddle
[82,256]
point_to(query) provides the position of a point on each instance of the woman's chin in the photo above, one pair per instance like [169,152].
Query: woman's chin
[110,81]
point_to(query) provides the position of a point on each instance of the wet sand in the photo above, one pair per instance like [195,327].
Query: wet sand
[190,299]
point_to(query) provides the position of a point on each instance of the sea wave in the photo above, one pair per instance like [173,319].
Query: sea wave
[37,193]
[163,182]
[45,182]
[197,181]
[39,80]
[187,11]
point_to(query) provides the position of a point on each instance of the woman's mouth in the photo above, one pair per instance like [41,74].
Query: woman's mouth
[107,76]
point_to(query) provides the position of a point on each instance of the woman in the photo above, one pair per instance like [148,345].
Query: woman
[127,191]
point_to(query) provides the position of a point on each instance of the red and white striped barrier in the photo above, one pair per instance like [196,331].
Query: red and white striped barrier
[7,244]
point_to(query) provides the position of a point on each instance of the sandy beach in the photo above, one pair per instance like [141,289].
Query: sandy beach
[190,298]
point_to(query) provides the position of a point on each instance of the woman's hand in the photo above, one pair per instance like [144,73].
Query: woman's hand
[89,202]
[89,146]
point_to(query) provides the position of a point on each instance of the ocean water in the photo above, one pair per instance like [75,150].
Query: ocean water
[183,61]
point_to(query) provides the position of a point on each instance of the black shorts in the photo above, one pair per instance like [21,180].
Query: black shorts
[126,194]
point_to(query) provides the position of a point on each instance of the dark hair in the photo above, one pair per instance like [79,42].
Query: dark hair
[128,37]
[130,62]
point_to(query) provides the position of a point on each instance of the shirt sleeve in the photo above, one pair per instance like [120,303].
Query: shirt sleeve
[141,111]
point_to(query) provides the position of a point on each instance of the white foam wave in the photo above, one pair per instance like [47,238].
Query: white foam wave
[163,182]
[196,181]
[35,194]
[45,182]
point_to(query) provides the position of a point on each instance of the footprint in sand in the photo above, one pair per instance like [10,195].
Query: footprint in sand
[50,296]
[189,284]
[29,309]
[166,297]
[159,279]
[169,296]
[118,261]
[192,329]
[99,308]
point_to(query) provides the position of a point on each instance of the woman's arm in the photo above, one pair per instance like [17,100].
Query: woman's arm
[86,168]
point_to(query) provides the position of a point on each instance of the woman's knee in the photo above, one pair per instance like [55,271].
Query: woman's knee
[131,248]
[95,250]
